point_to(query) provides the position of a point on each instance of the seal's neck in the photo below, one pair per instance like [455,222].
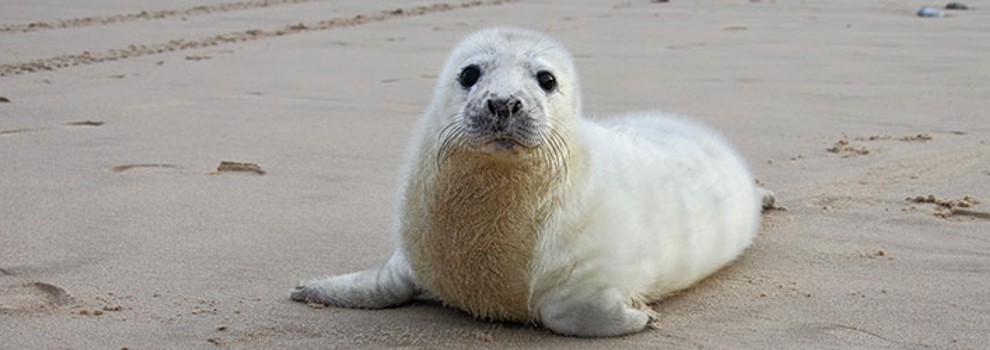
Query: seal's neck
[499,173]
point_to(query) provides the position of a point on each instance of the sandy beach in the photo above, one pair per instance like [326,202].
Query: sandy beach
[118,231]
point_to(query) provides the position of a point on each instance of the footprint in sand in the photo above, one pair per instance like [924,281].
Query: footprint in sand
[224,167]
[847,149]
[33,297]
[13,131]
[227,166]
[89,123]
[129,167]
[83,123]
[950,208]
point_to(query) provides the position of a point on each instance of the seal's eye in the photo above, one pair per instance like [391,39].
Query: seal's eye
[469,76]
[547,81]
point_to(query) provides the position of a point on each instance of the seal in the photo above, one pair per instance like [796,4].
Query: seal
[514,207]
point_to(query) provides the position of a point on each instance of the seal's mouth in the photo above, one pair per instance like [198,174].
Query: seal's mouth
[503,144]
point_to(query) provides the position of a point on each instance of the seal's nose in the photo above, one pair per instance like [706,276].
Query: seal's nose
[504,108]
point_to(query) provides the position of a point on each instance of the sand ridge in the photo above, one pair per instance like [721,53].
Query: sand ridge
[137,50]
[143,15]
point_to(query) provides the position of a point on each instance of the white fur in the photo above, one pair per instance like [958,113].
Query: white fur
[649,204]
[666,203]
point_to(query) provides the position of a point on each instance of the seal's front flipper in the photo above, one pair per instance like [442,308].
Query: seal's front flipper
[388,286]
[604,313]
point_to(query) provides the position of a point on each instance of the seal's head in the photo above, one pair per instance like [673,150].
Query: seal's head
[506,92]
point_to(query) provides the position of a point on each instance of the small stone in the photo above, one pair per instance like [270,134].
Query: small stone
[930,12]
[228,166]
[956,6]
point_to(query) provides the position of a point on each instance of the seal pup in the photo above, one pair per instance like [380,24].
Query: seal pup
[513,207]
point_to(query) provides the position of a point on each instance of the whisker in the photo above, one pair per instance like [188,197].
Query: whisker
[559,149]
[448,136]
[548,159]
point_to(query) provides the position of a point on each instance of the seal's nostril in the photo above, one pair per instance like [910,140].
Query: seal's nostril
[515,106]
[491,107]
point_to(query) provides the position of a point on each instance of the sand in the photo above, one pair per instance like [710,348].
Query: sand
[118,230]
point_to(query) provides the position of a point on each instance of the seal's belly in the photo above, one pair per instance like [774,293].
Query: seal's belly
[477,272]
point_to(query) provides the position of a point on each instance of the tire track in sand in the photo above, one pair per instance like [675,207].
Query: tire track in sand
[87,57]
[143,16]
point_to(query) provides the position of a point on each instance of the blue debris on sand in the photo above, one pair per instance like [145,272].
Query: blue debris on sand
[930,12]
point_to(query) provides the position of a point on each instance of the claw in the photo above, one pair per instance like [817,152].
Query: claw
[654,322]
[299,293]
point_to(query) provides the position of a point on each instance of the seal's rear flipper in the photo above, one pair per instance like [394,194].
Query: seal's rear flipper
[391,285]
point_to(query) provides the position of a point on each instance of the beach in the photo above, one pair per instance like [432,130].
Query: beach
[170,170]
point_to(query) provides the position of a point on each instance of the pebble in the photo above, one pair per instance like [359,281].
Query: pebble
[956,6]
[930,12]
